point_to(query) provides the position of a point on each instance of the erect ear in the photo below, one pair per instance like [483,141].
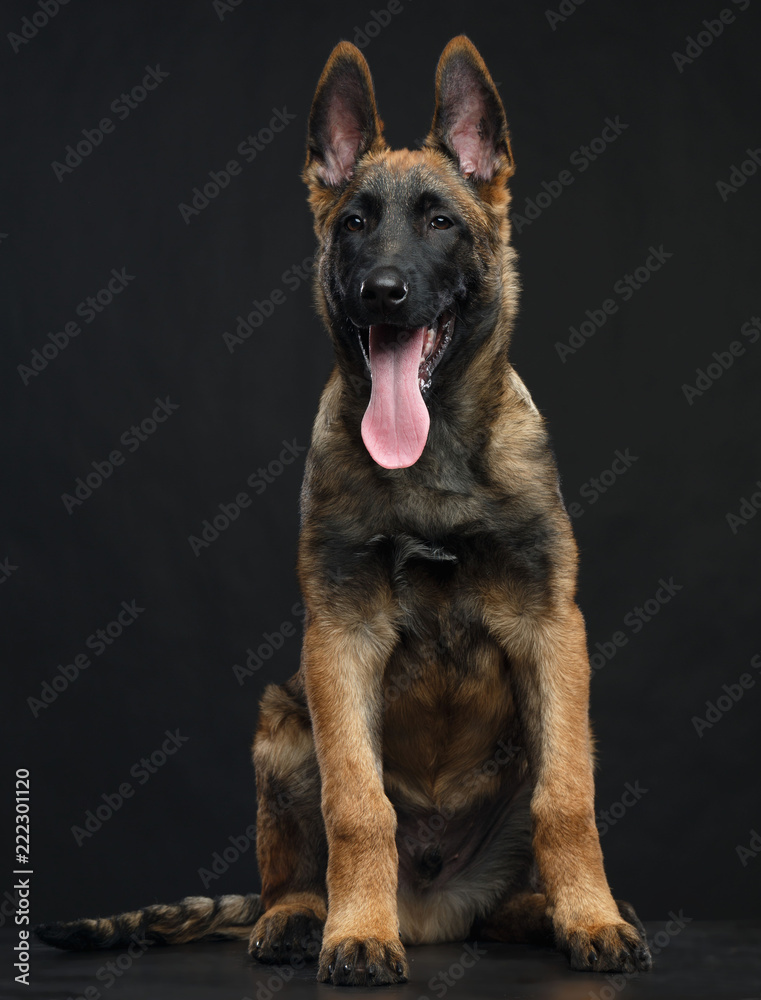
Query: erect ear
[469,122]
[343,122]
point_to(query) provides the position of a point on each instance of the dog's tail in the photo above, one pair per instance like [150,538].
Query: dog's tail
[195,918]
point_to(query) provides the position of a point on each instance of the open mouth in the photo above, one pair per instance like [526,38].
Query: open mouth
[401,362]
[436,339]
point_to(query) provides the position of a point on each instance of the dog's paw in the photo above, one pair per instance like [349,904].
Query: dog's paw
[369,962]
[282,935]
[619,947]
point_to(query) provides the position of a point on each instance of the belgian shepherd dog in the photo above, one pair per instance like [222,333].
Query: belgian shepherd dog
[427,775]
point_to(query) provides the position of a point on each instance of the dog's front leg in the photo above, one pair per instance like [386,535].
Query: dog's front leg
[550,669]
[345,653]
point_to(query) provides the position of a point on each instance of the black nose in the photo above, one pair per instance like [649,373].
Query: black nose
[384,289]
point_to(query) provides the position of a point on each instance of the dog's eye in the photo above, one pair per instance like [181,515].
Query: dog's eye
[354,223]
[441,222]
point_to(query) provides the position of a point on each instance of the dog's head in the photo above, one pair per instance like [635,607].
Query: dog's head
[414,260]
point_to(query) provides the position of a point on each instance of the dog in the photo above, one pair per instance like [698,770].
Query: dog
[427,775]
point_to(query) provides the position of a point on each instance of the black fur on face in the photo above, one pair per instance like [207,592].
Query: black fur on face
[409,225]
[411,239]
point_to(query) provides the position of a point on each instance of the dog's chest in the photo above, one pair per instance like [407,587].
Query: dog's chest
[446,687]
[411,556]
[447,703]
[435,583]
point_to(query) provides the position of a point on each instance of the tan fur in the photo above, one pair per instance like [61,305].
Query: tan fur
[428,772]
[424,749]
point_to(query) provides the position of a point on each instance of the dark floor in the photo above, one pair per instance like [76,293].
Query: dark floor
[721,961]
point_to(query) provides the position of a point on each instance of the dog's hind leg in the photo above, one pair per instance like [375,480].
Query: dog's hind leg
[525,919]
[521,918]
[291,843]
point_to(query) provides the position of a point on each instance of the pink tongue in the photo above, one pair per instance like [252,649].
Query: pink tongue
[395,424]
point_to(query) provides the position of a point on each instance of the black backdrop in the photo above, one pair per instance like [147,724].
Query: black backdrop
[213,77]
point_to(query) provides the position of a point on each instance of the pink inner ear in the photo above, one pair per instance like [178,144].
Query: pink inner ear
[472,140]
[344,142]
[470,123]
